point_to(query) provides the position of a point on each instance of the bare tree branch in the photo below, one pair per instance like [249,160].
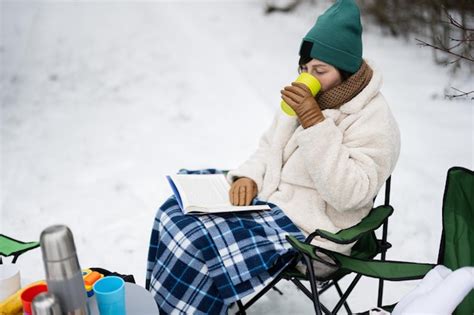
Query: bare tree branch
[455,23]
[422,43]
[463,94]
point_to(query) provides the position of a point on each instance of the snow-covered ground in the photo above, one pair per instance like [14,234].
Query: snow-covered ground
[102,99]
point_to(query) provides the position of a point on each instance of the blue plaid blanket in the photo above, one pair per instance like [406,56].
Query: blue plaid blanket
[201,264]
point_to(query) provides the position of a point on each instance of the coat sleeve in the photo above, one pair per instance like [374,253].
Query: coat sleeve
[349,167]
[254,167]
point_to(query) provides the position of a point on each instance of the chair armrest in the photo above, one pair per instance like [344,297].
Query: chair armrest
[387,270]
[371,222]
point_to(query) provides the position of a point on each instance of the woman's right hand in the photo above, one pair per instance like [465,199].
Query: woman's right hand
[242,191]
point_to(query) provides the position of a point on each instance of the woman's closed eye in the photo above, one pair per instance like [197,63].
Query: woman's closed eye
[314,70]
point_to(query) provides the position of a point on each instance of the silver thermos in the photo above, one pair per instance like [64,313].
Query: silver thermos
[63,273]
[46,303]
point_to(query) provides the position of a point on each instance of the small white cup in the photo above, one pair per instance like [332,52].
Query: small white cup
[9,280]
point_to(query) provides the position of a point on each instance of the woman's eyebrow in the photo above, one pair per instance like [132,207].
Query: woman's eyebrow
[318,65]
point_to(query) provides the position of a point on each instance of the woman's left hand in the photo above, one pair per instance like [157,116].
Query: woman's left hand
[299,98]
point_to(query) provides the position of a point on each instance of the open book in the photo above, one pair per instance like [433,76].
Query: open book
[205,193]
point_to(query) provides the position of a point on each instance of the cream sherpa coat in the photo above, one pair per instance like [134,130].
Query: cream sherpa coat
[327,175]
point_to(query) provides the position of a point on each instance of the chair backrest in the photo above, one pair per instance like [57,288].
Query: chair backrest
[457,239]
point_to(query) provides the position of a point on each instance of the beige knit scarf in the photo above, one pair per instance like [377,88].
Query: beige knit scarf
[344,92]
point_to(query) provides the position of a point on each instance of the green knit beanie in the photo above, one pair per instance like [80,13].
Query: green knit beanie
[336,38]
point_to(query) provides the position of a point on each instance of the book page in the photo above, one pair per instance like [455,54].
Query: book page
[203,190]
[207,193]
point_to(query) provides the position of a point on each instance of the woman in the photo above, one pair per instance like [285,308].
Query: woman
[319,169]
[325,166]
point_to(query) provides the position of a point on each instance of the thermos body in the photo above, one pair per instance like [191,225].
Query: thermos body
[63,272]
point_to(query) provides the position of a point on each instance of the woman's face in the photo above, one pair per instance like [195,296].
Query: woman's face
[327,75]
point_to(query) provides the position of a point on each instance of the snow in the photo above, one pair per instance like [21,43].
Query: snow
[102,99]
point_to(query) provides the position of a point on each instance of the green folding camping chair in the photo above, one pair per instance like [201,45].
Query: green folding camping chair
[455,251]
[367,246]
[12,247]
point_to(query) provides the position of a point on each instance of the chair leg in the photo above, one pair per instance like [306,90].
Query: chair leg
[326,287]
[305,290]
[242,307]
[314,288]
[346,294]
[380,297]
[278,290]
[388,184]
[309,295]
[339,291]
[382,258]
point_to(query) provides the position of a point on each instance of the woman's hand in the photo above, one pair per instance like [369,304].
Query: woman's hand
[242,191]
[298,96]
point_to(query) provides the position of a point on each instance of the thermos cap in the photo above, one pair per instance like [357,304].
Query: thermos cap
[46,303]
[57,243]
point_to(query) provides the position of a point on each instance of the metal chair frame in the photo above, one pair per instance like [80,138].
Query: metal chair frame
[315,293]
